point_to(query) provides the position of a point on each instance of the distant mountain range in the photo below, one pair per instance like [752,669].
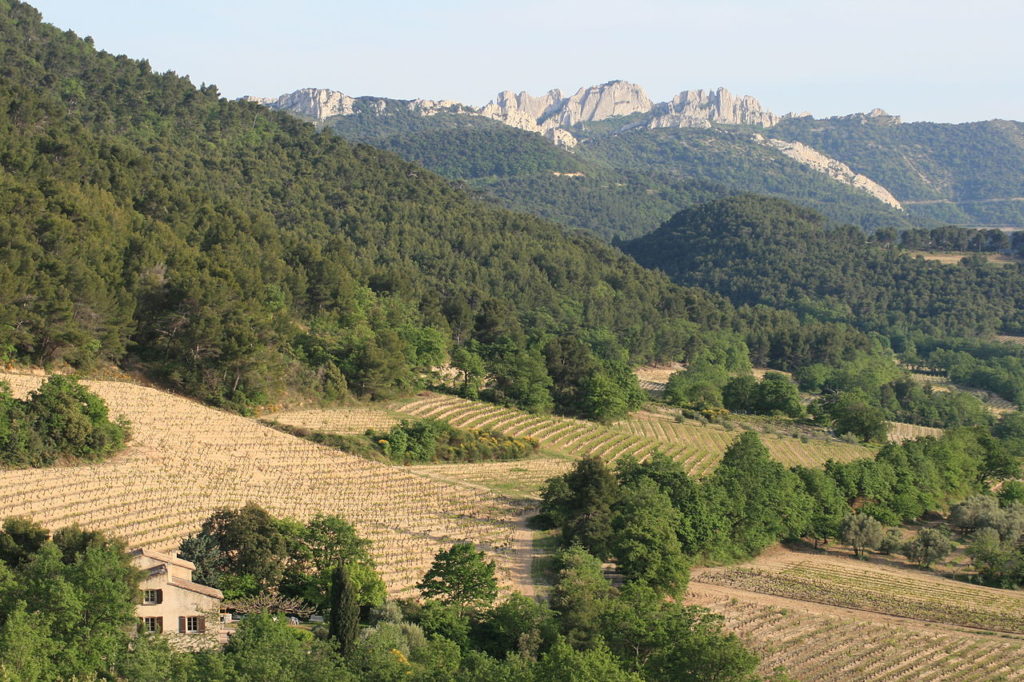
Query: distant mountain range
[609,159]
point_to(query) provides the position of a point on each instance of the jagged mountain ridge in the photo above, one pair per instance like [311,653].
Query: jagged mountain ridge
[872,168]
[554,114]
[563,119]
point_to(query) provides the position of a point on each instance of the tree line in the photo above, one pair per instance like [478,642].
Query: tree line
[67,606]
[655,521]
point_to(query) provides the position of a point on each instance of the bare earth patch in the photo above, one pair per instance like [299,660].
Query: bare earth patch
[829,617]
[185,460]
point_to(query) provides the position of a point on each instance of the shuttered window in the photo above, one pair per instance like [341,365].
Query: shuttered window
[153,624]
[191,625]
[152,596]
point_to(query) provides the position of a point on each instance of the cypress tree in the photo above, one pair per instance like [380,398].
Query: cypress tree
[343,625]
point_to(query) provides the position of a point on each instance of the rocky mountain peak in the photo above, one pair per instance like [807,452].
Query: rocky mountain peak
[553,114]
[314,103]
[701,108]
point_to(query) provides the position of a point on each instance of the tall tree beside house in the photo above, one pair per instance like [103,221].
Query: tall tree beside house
[343,625]
[67,620]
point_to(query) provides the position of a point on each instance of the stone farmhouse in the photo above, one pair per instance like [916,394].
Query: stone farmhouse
[171,602]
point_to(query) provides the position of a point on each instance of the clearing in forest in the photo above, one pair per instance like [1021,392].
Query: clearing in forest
[184,460]
[954,257]
[900,432]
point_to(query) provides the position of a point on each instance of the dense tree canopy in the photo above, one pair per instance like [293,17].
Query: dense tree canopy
[758,250]
[60,420]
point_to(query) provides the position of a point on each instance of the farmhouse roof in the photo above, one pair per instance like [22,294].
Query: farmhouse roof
[165,558]
[196,587]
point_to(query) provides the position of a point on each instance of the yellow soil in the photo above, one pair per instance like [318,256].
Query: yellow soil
[954,257]
[814,640]
[185,460]
[346,421]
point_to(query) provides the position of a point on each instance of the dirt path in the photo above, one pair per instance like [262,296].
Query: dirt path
[524,554]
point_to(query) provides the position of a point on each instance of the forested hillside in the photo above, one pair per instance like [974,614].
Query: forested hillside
[758,250]
[526,172]
[622,184]
[234,253]
[963,173]
[233,250]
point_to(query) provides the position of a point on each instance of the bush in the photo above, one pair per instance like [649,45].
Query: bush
[431,440]
[891,543]
[61,419]
[929,546]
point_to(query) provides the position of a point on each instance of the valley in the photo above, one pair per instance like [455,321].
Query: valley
[572,386]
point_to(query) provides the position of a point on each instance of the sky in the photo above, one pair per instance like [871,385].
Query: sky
[925,60]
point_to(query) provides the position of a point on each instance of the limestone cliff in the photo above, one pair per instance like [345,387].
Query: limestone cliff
[701,108]
[313,103]
[552,114]
[837,170]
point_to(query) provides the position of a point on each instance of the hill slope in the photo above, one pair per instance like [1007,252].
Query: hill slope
[968,173]
[761,250]
[186,460]
[234,251]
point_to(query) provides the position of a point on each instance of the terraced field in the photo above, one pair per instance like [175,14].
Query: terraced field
[185,460]
[699,447]
[571,438]
[815,644]
[900,432]
[714,439]
[829,617]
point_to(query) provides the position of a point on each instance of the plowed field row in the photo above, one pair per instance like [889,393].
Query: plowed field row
[903,593]
[712,438]
[185,460]
[572,437]
[844,646]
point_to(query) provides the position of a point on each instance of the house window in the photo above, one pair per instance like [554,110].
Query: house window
[152,596]
[153,624]
[192,624]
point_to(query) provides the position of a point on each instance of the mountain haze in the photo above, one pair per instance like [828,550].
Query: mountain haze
[235,251]
[872,169]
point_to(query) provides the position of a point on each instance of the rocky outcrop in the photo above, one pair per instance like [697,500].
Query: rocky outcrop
[554,115]
[702,108]
[837,170]
[313,103]
[319,104]
[522,110]
[600,102]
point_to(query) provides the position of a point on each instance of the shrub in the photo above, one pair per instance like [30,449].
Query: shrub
[431,440]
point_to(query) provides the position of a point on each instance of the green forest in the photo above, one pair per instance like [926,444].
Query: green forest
[759,250]
[960,173]
[233,252]
[236,254]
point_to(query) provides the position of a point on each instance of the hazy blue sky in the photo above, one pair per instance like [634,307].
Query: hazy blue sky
[934,60]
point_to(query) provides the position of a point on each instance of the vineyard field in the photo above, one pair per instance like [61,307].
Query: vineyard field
[812,643]
[185,460]
[698,447]
[344,421]
[870,586]
[900,432]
